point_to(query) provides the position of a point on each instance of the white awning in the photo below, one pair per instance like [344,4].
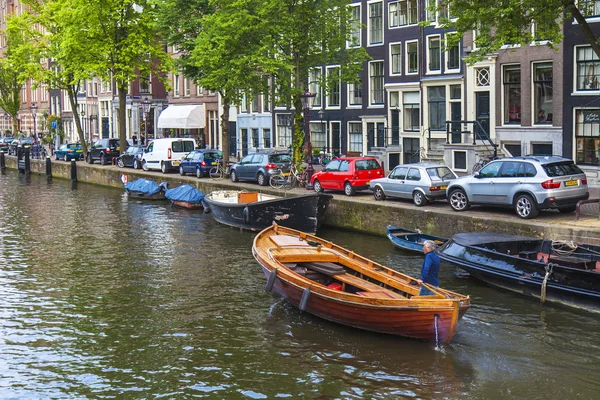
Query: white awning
[182,117]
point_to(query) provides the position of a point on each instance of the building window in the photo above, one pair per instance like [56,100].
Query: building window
[403,13]
[267,138]
[483,76]
[459,159]
[434,54]
[429,13]
[355,92]
[176,82]
[376,78]
[355,137]
[587,136]
[255,142]
[588,69]
[393,11]
[453,57]
[589,8]
[376,23]
[412,111]
[333,98]
[318,137]
[436,96]
[284,130]
[186,87]
[144,84]
[355,27]
[396,59]
[314,86]
[542,93]
[412,57]
[512,95]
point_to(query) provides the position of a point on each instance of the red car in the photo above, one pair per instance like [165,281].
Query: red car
[348,174]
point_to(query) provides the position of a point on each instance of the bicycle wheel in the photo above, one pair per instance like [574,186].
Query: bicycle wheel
[302,179]
[277,181]
[477,167]
[216,172]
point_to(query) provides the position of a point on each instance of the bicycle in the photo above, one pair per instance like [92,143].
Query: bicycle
[217,172]
[482,162]
[288,180]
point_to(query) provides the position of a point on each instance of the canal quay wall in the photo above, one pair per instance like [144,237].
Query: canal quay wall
[361,212]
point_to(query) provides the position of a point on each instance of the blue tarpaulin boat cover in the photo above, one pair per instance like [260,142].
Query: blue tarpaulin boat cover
[185,193]
[143,186]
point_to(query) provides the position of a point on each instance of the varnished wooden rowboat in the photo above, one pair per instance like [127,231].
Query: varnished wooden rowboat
[338,285]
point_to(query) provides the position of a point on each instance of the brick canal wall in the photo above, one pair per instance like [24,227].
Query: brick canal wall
[360,213]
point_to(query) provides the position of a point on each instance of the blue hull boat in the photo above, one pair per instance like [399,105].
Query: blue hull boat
[407,239]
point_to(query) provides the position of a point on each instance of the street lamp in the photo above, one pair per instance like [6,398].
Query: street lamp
[82,114]
[146,108]
[33,109]
[307,99]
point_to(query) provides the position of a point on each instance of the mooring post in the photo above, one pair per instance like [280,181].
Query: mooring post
[2,160]
[27,162]
[73,171]
[48,166]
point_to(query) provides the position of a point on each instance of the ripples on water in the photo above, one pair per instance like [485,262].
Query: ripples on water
[101,297]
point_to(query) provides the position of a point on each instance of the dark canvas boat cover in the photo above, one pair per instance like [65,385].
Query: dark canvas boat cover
[185,193]
[478,238]
[142,185]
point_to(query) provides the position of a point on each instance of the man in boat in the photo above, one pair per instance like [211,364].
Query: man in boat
[431,268]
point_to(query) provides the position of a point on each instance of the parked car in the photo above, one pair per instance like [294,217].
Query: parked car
[421,182]
[259,167]
[200,162]
[527,184]
[166,153]
[103,150]
[5,143]
[25,143]
[348,174]
[68,152]
[132,157]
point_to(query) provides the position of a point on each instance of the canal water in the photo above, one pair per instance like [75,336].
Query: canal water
[102,297]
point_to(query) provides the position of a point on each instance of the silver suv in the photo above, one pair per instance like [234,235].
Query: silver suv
[528,184]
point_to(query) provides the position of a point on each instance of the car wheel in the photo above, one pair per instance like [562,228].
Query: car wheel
[102,159]
[458,200]
[261,179]
[317,186]
[136,164]
[419,199]
[348,189]
[181,171]
[525,207]
[144,165]
[234,177]
[163,167]
[378,193]
[90,159]
[65,158]
[120,163]
[569,209]
[56,157]
[198,173]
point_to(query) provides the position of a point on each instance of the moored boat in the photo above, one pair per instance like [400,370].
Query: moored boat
[146,189]
[255,211]
[185,196]
[545,269]
[336,284]
[410,240]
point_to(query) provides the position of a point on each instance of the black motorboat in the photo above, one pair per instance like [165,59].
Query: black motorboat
[554,271]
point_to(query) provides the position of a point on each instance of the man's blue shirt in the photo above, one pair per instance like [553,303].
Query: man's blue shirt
[431,268]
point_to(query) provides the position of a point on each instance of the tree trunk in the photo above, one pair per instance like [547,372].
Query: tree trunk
[122,92]
[72,94]
[225,129]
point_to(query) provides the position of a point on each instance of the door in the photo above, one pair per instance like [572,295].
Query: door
[370,135]
[326,177]
[482,187]
[393,160]
[510,179]
[455,115]
[336,143]
[244,142]
[342,175]
[412,181]
[482,110]
[395,182]
[380,134]
[395,127]
[244,165]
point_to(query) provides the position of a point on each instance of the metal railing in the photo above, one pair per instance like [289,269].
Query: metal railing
[478,132]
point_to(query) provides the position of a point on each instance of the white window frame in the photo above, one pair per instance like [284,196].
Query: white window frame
[350,89]
[428,55]
[362,135]
[447,52]
[371,93]
[314,86]
[370,42]
[360,27]
[406,58]
[400,64]
[576,89]
[466,161]
[328,105]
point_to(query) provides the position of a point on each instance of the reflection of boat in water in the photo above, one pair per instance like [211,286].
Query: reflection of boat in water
[146,189]
[539,268]
[407,239]
[256,211]
[338,285]
[185,196]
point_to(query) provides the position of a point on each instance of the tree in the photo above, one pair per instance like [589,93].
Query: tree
[10,91]
[498,23]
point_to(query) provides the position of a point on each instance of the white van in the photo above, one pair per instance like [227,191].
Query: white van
[166,154]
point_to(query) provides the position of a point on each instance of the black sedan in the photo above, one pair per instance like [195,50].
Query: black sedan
[132,157]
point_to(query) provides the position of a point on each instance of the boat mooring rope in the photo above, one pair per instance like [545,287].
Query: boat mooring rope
[558,247]
[548,267]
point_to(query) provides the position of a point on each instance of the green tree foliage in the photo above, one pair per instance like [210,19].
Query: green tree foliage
[498,23]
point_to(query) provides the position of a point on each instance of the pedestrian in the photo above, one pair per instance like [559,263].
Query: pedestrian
[430,269]
[134,138]
[542,116]
[143,140]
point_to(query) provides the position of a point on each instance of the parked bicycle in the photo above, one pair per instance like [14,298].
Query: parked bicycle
[288,180]
[482,162]
[218,172]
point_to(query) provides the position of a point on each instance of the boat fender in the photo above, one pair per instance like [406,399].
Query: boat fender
[271,280]
[304,299]
[246,215]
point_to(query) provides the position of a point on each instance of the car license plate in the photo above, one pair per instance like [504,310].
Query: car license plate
[213,163]
[571,182]
[443,187]
[78,151]
[175,163]
[368,183]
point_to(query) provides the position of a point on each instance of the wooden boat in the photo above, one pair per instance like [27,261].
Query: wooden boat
[256,211]
[338,285]
[407,239]
[544,269]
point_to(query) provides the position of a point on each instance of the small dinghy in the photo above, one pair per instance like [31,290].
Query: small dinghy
[410,240]
[146,189]
[185,196]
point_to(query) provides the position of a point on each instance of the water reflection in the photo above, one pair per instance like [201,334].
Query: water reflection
[105,297]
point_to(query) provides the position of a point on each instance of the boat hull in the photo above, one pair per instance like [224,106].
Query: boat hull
[187,205]
[304,213]
[410,240]
[573,287]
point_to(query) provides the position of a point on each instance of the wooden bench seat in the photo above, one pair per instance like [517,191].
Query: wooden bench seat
[368,287]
